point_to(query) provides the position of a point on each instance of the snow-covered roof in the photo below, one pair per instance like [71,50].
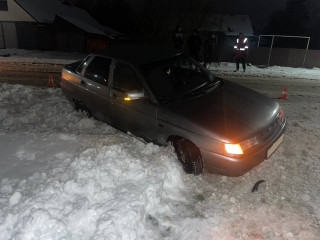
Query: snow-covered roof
[45,11]
[230,24]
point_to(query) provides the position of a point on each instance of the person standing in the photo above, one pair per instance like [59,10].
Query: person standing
[241,51]
[194,45]
[178,38]
[209,49]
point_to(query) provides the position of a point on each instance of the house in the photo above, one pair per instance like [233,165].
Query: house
[51,25]
[230,25]
[227,29]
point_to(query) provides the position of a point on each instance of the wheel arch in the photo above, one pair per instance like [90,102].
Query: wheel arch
[188,153]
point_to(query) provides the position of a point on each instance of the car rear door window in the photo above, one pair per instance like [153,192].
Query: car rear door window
[98,70]
[125,78]
[83,64]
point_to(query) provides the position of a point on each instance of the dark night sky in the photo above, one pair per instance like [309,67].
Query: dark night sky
[258,10]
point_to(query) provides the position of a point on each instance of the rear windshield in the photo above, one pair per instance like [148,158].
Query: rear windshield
[176,77]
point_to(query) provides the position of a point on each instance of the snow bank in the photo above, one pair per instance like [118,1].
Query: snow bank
[35,109]
[113,190]
[226,69]
[34,56]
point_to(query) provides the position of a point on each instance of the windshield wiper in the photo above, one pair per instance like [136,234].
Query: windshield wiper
[191,94]
[196,92]
[211,85]
[200,91]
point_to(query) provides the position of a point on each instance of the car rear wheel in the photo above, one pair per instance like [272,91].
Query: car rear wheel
[79,106]
[189,156]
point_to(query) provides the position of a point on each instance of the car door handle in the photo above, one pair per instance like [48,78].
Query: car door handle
[83,83]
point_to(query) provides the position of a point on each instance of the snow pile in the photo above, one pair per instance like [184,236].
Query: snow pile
[36,109]
[113,190]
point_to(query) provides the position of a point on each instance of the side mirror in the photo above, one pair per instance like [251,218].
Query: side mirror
[134,95]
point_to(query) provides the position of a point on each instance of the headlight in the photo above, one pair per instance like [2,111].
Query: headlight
[239,148]
[233,149]
[249,143]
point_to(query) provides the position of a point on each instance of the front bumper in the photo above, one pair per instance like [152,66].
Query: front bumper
[224,165]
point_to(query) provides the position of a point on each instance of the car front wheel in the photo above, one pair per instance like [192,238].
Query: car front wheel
[189,156]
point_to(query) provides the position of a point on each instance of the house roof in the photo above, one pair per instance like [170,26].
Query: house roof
[230,25]
[45,11]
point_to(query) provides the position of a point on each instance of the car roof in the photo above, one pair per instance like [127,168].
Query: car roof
[140,54]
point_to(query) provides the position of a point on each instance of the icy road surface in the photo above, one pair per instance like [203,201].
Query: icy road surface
[63,176]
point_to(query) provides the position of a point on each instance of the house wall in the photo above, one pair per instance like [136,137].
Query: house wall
[9,22]
[2,41]
[15,14]
[19,30]
[70,42]
[26,34]
[18,35]
[69,38]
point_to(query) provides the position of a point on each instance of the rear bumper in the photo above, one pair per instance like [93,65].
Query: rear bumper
[216,163]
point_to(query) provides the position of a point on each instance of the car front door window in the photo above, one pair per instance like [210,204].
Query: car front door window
[125,79]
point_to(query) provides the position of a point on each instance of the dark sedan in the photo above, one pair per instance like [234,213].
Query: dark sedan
[164,96]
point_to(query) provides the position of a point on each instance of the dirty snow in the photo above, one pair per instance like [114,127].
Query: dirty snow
[34,56]
[226,69]
[64,176]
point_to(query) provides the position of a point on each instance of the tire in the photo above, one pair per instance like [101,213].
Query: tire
[189,156]
[79,106]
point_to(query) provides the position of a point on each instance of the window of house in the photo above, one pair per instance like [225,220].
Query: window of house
[3,5]
[98,70]
[125,78]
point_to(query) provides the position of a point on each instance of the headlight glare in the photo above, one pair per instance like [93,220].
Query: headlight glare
[233,149]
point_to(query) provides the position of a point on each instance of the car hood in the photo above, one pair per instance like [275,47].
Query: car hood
[230,113]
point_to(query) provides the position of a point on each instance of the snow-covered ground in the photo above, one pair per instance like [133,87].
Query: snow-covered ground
[64,176]
[226,69]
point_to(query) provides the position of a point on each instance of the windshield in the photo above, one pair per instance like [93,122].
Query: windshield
[176,78]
